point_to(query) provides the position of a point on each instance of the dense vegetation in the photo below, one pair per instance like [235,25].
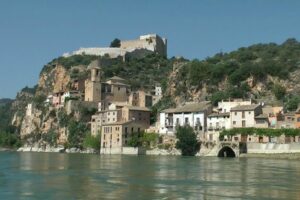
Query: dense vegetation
[187,140]
[260,132]
[257,61]
[143,139]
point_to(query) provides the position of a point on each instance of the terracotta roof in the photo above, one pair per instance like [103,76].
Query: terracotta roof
[245,107]
[190,107]
[219,115]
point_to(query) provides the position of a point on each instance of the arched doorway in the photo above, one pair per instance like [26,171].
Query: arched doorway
[226,152]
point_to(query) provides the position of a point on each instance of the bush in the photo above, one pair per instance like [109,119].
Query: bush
[77,131]
[92,141]
[50,137]
[279,91]
[10,140]
[187,140]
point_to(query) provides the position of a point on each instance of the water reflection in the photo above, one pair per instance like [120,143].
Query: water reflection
[76,176]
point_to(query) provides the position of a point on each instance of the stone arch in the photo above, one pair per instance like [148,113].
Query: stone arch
[226,151]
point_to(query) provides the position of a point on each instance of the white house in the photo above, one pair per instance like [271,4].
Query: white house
[192,114]
[217,122]
[244,115]
[225,105]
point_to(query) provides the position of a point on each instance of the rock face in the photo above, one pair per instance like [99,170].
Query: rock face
[31,123]
[181,90]
[54,81]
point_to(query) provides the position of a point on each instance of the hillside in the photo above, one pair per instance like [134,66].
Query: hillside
[267,72]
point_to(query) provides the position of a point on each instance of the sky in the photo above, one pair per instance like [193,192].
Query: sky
[33,32]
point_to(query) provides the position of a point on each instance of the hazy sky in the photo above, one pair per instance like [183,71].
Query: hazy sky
[33,32]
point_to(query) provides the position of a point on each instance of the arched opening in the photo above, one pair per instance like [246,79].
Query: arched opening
[226,152]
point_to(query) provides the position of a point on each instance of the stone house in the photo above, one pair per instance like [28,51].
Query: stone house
[244,115]
[140,98]
[126,121]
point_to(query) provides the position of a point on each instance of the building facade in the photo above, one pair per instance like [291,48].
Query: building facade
[192,114]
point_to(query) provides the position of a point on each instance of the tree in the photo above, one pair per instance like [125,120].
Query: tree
[187,141]
[279,91]
[115,43]
[91,141]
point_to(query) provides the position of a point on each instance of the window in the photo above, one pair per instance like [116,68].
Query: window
[249,112]
[119,88]
[177,121]
[235,113]
[243,114]
[234,122]
[243,123]
[126,130]
[132,130]
[139,129]
[197,120]
[186,120]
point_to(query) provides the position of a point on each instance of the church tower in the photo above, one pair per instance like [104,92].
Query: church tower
[93,85]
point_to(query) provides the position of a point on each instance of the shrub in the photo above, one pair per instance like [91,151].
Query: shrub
[187,140]
[92,141]
[279,91]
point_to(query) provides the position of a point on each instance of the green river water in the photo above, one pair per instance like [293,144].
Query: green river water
[81,176]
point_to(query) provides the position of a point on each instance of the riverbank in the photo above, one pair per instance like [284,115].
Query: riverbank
[58,149]
[291,156]
[7,149]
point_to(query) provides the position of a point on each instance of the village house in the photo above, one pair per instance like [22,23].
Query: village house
[244,115]
[225,105]
[297,118]
[116,135]
[117,126]
[140,98]
[274,114]
[192,114]
[217,122]
[156,95]
[289,120]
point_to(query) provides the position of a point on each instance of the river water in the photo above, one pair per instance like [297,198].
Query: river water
[80,176]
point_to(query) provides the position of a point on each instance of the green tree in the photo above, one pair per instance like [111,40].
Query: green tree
[187,140]
[279,91]
[77,131]
[115,43]
[91,141]
[135,140]
[293,103]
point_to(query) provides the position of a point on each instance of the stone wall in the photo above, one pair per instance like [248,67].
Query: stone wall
[273,148]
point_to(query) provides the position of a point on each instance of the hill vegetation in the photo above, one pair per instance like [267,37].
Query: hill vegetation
[226,75]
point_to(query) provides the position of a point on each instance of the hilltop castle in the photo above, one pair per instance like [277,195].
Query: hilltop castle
[132,48]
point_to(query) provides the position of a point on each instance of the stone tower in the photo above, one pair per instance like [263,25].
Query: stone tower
[93,85]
